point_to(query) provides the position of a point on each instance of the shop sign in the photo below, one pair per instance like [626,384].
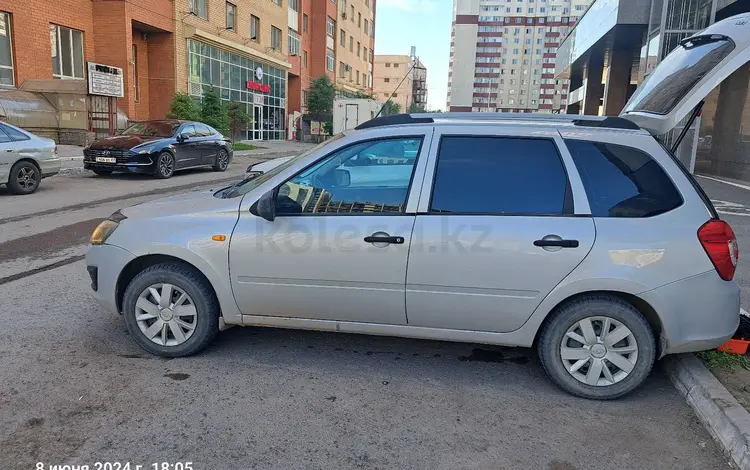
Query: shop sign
[258,99]
[251,85]
[105,80]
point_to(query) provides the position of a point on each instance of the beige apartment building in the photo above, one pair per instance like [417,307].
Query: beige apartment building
[354,46]
[390,70]
[503,54]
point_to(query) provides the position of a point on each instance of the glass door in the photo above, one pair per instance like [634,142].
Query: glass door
[257,122]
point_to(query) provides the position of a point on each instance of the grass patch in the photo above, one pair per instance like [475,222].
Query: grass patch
[721,360]
[242,146]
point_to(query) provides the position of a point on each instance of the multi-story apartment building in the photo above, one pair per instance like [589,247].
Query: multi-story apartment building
[390,70]
[503,54]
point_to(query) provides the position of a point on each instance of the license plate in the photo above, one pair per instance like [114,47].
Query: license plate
[106,160]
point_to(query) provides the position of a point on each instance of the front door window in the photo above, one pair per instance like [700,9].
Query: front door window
[366,178]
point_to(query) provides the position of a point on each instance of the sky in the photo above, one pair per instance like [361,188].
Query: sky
[426,24]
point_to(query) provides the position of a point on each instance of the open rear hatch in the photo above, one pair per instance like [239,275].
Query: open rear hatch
[683,79]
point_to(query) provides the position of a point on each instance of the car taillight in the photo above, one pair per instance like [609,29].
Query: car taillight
[718,239]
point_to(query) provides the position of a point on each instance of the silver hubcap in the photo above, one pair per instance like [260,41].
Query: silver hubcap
[26,178]
[223,160]
[599,351]
[165,165]
[166,314]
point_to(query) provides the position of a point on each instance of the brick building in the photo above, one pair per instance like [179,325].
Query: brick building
[260,53]
[390,70]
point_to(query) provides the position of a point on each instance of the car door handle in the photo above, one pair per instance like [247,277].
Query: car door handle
[557,243]
[8,150]
[384,239]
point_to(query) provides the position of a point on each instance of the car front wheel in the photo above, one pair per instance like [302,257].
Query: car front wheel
[222,161]
[597,347]
[164,165]
[171,310]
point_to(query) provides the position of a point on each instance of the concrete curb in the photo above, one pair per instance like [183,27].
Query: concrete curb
[726,420]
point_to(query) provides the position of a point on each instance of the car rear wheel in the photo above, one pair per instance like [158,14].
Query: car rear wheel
[164,165]
[24,178]
[222,161]
[597,347]
[171,310]
[101,172]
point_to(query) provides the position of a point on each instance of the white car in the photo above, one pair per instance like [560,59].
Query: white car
[25,159]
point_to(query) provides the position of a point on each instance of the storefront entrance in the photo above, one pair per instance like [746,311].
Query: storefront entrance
[257,124]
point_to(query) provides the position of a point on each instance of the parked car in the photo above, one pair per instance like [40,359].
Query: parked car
[582,236]
[25,159]
[159,148]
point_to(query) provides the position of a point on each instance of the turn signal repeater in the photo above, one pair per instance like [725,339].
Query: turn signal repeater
[219,238]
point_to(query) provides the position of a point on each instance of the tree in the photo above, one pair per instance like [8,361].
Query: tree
[183,106]
[320,96]
[390,108]
[238,117]
[213,112]
[416,108]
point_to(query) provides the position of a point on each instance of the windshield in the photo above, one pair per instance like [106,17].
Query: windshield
[679,73]
[247,185]
[152,129]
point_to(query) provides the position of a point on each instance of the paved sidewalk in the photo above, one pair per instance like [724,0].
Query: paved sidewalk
[274,146]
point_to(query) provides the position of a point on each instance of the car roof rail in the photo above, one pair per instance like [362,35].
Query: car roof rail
[607,122]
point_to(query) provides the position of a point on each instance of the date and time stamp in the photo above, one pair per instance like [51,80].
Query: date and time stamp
[117,466]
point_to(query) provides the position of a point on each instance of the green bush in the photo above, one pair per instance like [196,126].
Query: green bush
[213,112]
[238,117]
[183,106]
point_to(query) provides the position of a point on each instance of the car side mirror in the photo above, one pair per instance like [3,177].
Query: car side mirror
[265,206]
[342,178]
[184,136]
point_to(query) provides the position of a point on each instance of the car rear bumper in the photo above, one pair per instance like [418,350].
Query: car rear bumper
[698,313]
[104,264]
[49,167]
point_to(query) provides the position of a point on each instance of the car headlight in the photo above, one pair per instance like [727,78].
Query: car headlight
[144,150]
[105,228]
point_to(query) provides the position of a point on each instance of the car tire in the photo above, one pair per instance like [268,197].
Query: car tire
[24,178]
[165,164]
[222,161]
[579,368]
[98,172]
[183,279]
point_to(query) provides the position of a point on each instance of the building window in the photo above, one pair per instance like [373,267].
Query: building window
[351,43]
[357,77]
[136,88]
[364,79]
[395,65]
[231,15]
[304,99]
[367,27]
[342,70]
[330,60]
[387,80]
[367,3]
[387,64]
[330,27]
[358,49]
[67,52]
[352,17]
[349,69]
[275,38]
[294,43]
[198,8]
[359,20]
[395,95]
[293,5]
[364,54]
[304,59]
[6,51]
[304,23]
[255,28]
[277,2]
[342,35]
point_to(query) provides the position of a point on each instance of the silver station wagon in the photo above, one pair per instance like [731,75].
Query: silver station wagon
[581,236]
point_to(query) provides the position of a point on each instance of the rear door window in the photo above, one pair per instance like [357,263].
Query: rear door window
[14,134]
[202,130]
[622,181]
[499,176]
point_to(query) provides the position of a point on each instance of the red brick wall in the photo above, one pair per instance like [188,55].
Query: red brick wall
[30,21]
[161,72]
[142,110]
[114,39]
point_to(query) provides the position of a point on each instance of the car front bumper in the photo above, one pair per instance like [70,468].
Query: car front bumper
[104,264]
[128,163]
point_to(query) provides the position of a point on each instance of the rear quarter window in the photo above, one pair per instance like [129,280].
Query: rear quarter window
[622,181]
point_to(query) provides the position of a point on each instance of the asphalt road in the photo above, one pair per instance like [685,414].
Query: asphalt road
[75,389]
